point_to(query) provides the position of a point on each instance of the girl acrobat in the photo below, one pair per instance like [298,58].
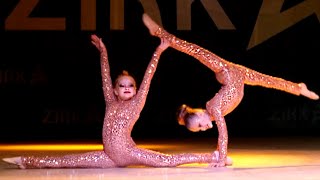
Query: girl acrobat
[124,104]
[232,77]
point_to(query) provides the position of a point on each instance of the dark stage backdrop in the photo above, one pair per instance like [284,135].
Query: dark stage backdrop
[50,83]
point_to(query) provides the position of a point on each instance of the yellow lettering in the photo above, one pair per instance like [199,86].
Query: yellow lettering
[271,21]
[184,14]
[117,14]
[217,14]
[213,8]
[88,14]
[19,19]
[151,8]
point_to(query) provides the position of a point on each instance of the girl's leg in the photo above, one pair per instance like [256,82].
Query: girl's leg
[95,159]
[209,59]
[145,157]
[151,158]
[215,63]
[256,78]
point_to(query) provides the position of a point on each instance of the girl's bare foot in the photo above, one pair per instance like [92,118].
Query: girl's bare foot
[151,25]
[14,160]
[307,93]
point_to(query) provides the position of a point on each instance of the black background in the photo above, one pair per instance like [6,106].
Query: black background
[50,83]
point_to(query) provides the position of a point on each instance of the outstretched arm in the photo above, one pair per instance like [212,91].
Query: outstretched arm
[105,68]
[151,69]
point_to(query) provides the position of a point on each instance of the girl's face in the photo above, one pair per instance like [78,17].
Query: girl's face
[200,122]
[125,88]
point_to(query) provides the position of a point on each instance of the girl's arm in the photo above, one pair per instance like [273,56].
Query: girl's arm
[105,69]
[148,75]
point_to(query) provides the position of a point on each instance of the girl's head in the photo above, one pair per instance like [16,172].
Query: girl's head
[194,119]
[125,86]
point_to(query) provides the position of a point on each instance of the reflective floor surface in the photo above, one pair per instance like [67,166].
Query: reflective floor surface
[294,158]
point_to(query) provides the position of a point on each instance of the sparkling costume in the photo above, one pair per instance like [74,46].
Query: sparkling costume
[233,77]
[119,147]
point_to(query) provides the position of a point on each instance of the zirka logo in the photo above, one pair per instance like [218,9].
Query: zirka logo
[270,20]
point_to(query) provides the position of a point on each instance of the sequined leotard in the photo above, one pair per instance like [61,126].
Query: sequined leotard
[119,148]
[233,77]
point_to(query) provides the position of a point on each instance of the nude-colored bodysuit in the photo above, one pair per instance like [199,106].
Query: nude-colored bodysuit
[119,148]
[233,77]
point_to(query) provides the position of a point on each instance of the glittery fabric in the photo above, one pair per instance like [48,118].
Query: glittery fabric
[232,77]
[95,159]
[119,148]
[120,118]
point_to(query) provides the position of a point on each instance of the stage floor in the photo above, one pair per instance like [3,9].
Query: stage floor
[294,158]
